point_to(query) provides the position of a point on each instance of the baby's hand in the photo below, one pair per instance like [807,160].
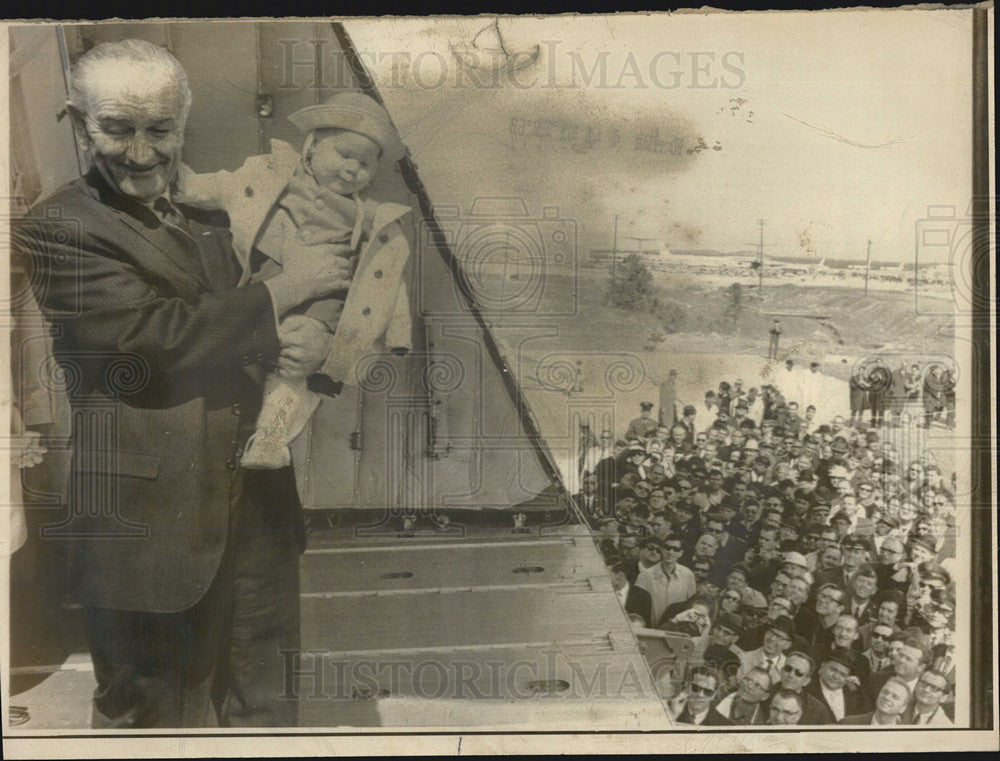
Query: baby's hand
[186,187]
[305,344]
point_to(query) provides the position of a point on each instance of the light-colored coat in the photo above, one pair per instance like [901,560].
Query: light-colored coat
[377,309]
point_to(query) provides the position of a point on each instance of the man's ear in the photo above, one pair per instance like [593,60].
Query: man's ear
[79,124]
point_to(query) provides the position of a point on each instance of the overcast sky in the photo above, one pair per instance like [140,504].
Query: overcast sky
[833,127]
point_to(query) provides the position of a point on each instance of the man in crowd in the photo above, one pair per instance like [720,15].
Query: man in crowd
[771,654]
[668,581]
[833,685]
[908,662]
[877,652]
[890,704]
[634,600]
[928,708]
[862,590]
[746,706]
[694,704]
[815,625]
[642,427]
[786,707]
[797,673]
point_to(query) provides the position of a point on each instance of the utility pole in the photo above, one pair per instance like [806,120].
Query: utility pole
[868,264]
[614,255]
[760,258]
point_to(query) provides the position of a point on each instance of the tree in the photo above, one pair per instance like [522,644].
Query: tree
[734,305]
[632,286]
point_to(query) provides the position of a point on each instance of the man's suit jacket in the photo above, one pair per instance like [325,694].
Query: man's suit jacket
[639,602]
[814,713]
[942,716]
[712,719]
[860,719]
[156,343]
[855,701]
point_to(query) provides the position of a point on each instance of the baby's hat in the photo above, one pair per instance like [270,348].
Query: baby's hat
[356,112]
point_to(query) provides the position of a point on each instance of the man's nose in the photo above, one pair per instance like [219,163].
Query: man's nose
[140,152]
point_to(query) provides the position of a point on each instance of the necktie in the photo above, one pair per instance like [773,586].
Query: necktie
[177,226]
[169,215]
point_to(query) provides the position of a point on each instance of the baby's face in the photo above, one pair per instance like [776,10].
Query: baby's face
[344,162]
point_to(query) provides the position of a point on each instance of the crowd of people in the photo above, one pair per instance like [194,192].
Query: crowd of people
[810,564]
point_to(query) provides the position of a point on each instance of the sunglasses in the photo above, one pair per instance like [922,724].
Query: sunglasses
[876,635]
[698,690]
[931,686]
[672,547]
[652,548]
[792,670]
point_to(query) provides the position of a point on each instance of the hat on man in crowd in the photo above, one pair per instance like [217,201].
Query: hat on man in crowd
[855,540]
[646,406]
[784,625]
[924,543]
[842,655]
[795,558]
[889,519]
[356,112]
[739,568]
[689,409]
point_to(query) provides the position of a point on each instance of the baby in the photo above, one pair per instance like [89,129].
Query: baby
[281,200]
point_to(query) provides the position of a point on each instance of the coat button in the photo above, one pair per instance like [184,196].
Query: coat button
[237,409]
[231,463]
[383,238]
[319,203]
[377,274]
[248,192]
[366,311]
[305,234]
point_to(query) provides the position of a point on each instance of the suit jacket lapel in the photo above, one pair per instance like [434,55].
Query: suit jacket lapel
[119,206]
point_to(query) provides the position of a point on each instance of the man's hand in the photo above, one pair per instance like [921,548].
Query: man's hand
[305,345]
[308,272]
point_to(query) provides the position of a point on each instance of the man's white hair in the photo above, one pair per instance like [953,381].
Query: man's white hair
[97,61]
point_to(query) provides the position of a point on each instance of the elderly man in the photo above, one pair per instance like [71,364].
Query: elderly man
[746,706]
[186,566]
